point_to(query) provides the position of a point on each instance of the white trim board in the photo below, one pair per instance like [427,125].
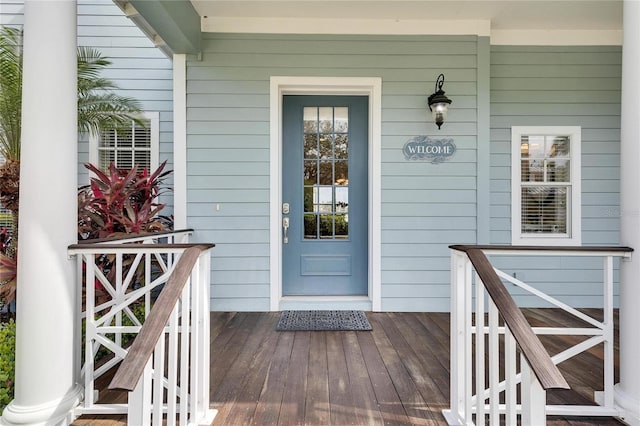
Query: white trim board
[368,86]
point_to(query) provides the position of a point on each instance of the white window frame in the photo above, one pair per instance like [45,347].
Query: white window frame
[154,128]
[573,237]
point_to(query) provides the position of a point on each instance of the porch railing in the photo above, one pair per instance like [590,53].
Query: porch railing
[171,353]
[122,280]
[472,339]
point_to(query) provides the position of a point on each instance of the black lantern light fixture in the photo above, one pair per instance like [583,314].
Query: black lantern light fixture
[439,103]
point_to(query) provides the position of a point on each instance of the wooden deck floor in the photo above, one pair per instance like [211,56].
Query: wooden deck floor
[396,374]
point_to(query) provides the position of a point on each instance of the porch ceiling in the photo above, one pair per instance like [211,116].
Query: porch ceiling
[503,14]
[534,22]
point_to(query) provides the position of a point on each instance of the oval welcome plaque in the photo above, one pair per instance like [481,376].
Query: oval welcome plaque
[426,149]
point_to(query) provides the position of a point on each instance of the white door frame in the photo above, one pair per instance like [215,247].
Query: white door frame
[367,86]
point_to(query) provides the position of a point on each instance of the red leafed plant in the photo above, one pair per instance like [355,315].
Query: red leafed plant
[121,201]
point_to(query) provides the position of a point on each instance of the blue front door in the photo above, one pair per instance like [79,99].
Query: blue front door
[325,195]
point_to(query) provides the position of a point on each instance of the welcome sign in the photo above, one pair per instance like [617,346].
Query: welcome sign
[426,149]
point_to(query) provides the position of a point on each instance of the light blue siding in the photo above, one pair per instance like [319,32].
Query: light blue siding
[566,86]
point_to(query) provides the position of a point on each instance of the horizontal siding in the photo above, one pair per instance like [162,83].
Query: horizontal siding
[228,152]
[565,86]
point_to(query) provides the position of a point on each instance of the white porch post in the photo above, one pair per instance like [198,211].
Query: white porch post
[627,392]
[46,392]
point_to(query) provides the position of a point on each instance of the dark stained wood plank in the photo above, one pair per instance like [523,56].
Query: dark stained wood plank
[433,396]
[242,410]
[231,388]
[218,321]
[414,405]
[268,407]
[390,405]
[228,346]
[317,409]
[342,407]
[414,334]
[364,396]
[293,404]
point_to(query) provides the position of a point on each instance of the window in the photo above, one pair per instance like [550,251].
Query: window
[545,185]
[128,145]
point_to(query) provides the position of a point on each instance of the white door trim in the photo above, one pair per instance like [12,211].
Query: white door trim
[369,86]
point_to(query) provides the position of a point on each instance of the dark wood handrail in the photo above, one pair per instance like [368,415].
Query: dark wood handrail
[541,364]
[132,367]
[577,249]
[129,236]
[159,247]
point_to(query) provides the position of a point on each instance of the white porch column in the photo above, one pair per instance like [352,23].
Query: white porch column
[179,141]
[46,392]
[627,393]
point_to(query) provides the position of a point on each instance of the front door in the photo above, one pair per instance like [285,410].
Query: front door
[325,195]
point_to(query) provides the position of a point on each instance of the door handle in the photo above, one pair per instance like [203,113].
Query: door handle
[285,227]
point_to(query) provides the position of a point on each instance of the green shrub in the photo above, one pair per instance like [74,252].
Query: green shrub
[7,362]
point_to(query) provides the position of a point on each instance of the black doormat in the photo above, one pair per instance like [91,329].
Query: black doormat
[323,321]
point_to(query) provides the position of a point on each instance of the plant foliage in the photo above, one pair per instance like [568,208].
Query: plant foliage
[121,201]
[7,362]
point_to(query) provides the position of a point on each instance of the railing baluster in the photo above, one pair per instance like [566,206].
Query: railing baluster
[494,367]
[467,347]
[119,294]
[480,368]
[158,385]
[533,397]
[90,295]
[139,407]
[510,378]
[172,369]
[608,333]
[185,325]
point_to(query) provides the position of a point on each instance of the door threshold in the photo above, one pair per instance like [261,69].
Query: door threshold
[333,303]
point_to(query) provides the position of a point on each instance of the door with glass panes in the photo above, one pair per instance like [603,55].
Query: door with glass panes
[325,195]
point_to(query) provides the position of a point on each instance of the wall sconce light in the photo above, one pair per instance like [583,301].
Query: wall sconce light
[439,103]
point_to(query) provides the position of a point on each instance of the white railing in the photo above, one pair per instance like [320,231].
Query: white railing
[469,333]
[166,369]
[126,276]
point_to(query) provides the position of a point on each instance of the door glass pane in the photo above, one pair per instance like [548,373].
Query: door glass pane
[342,226]
[325,199]
[326,172]
[341,146]
[325,117]
[341,116]
[342,173]
[310,120]
[326,226]
[326,147]
[310,226]
[311,146]
[342,200]
[310,172]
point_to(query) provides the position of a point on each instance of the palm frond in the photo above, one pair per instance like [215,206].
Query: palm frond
[10,91]
[98,106]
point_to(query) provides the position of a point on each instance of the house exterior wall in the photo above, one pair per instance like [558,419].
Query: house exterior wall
[138,68]
[560,86]
[228,156]
[425,207]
